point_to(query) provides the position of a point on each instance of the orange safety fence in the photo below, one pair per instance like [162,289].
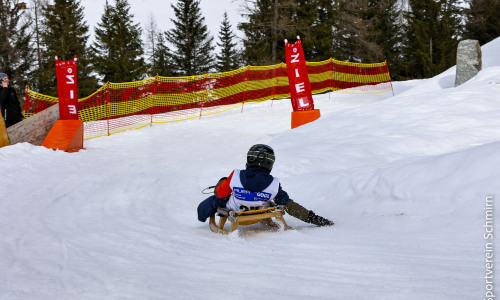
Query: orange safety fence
[117,107]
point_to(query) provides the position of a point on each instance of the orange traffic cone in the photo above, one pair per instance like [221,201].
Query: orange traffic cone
[302,117]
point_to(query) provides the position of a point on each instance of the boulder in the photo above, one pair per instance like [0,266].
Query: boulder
[468,60]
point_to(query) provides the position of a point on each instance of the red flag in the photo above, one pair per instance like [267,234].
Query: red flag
[67,89]
[300,88]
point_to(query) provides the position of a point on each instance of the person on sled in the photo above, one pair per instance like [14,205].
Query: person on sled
[255,188]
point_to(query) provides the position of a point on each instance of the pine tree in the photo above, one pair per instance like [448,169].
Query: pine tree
[150,43]
[482,20]
[354,41]
[228,59]
[269,23]
[306,16]
[433,30]
[157,52]
[344,30]
[316,20]
[65,34]
[118,47]
[16,52]
[192,44]
[319,23]
[162,59]
[37,28]
[384,31]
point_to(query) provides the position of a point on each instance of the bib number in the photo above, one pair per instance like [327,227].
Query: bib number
[247,208]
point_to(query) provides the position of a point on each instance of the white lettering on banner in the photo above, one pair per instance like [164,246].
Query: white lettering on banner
[301,103]
[264,195]
[72,109]
[297,73]
[295,58]
[72,94]
[71,79]
[299,87]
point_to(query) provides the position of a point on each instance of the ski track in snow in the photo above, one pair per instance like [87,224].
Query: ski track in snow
[403,177]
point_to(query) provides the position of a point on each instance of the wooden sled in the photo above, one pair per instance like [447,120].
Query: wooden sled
[250,217]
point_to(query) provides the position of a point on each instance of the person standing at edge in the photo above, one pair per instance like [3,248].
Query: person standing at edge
[9,103]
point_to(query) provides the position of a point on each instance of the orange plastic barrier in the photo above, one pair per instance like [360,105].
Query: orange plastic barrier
[117,107]
[66,135]
[300,118]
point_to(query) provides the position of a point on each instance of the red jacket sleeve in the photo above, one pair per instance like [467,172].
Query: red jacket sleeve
[224,190]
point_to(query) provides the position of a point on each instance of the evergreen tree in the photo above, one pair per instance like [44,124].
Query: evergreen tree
[150,43]
[192,52]
[118,47]
[269,23]
[353,34]
[483,20]
[317,22]
[384,31]
[37,28]
[228,59]
[16,52]
[65,34]
[344,30]
[161,60]
[432,31]
[313,22]
[320,42]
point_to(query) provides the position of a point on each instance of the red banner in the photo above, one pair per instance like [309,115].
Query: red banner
[67,89]
[300,88]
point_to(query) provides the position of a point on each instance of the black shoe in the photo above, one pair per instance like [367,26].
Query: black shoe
[318,220]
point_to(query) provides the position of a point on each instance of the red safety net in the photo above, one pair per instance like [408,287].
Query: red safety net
[116,107]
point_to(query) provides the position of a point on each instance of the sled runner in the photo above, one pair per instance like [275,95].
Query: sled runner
[250,217]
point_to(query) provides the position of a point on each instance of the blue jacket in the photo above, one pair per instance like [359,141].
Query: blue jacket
[254,179]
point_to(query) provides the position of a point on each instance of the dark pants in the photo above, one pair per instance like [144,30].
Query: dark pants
[208,207]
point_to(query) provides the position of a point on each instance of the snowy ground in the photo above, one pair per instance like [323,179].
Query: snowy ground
[405,178]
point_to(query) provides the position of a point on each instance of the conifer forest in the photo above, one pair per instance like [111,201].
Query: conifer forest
[418,38]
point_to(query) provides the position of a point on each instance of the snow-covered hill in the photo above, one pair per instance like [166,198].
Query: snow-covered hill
[405,178]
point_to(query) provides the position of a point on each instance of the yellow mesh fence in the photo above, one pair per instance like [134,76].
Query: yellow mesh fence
[116,107]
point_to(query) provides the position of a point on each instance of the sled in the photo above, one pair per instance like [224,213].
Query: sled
[250,217]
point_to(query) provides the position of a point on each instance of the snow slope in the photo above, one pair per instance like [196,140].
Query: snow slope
[405,178]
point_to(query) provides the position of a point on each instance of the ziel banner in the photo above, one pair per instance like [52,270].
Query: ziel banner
[300,88]
[67,89]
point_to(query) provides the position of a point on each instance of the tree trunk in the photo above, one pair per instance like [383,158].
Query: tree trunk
[274,42]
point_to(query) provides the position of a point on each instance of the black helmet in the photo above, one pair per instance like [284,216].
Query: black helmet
[261,155]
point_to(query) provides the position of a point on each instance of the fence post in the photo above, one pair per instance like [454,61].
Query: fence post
[387,68]
[153,102]
[245,90]
[25,99]
[204,92]
[107,105]
[277,82]
[331,79]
